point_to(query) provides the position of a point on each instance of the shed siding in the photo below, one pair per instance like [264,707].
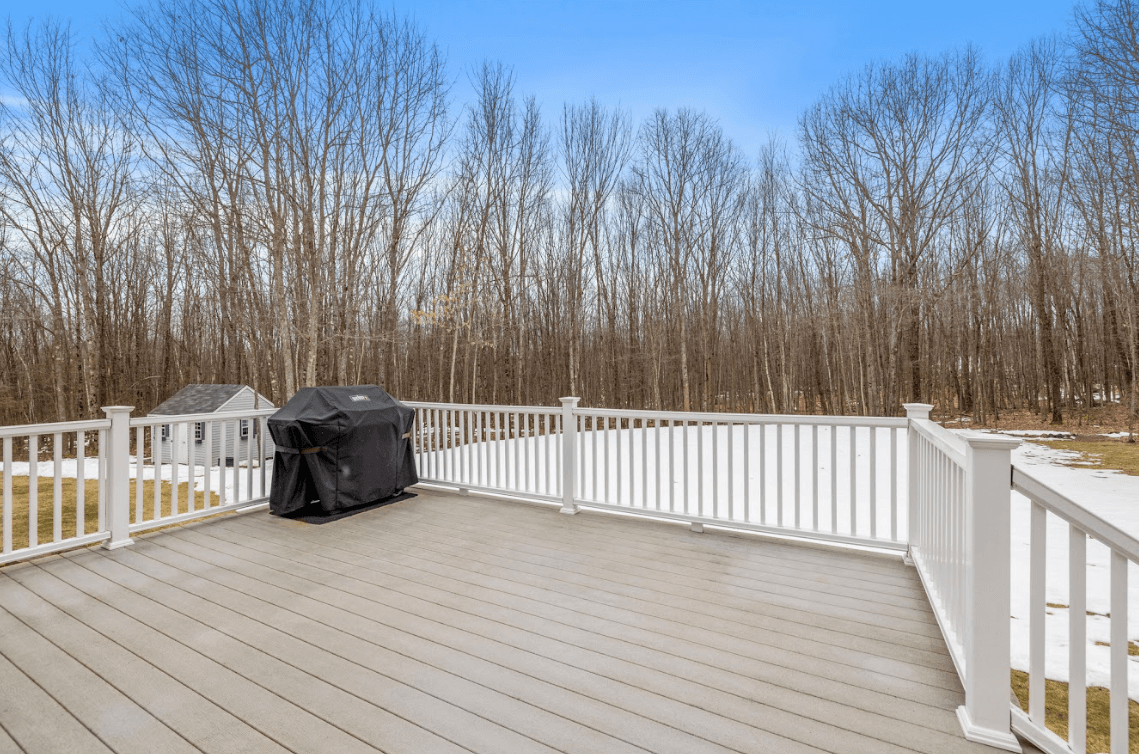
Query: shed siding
[174,449]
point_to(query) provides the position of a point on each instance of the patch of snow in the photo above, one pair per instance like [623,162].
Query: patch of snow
[1044,434]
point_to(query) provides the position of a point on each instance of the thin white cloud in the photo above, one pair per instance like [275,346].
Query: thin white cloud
[12,100]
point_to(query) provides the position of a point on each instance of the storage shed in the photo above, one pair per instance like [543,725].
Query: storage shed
[178,442]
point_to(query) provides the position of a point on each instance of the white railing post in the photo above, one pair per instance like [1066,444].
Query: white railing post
[985,716]
[913,411]
[569,455]
[118,500]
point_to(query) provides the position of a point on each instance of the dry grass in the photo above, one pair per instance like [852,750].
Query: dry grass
[45,506]
[1132,647]
[1101,454]
[1085,421]
[1099,715]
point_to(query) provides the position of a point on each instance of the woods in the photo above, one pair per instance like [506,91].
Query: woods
[287,194]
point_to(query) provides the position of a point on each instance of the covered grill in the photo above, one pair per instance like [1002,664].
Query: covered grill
[339,448]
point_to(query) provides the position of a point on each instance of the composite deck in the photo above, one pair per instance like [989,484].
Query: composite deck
[460,624]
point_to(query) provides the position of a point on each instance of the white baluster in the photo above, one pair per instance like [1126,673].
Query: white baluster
[57,489]
[1077,640]
[7,496]
[1120,727]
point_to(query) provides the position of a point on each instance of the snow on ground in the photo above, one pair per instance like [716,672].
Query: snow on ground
[1046,434]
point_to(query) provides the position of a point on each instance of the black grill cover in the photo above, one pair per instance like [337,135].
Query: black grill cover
[340,447]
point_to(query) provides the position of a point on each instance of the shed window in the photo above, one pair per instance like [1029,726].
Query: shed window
[244,423]
[165,433]
[199,431]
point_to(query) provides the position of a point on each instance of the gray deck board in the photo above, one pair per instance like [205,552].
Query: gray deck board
[102,709]
[664,615]
[456,624]
[191,715]
[36,721]
[621,558]
[7,744]
[844,607]
[608,637]
[773,561]
[600,598]
[627,662]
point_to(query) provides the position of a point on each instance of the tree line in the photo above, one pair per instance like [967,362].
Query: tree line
[286,194]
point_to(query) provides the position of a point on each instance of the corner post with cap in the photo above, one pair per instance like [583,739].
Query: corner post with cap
[118,499]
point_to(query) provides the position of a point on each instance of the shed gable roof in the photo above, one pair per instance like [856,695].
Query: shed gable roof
[197,399]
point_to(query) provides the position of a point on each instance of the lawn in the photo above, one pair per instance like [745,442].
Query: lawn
[45,498]
[1056,712]
[1102,454]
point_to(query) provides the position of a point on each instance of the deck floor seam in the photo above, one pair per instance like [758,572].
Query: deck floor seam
[8,735]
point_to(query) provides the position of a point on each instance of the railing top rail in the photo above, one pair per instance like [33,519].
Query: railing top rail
[485,407]
[1074,513]
[23,430]
[149,421]
[948,443]
[734,418]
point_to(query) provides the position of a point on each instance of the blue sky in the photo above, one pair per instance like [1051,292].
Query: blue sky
[752,65]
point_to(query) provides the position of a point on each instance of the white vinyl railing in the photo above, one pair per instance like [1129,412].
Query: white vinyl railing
[959,500]
[227,451]
[503,449]
[829,477]
[102,492]
[889,483]
[937,541]
[833,478]
[1122,549]
[46,530]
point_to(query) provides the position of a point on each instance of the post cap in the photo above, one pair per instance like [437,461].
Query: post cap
[986,441]
[917,410]
[569,401]
[110,409]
